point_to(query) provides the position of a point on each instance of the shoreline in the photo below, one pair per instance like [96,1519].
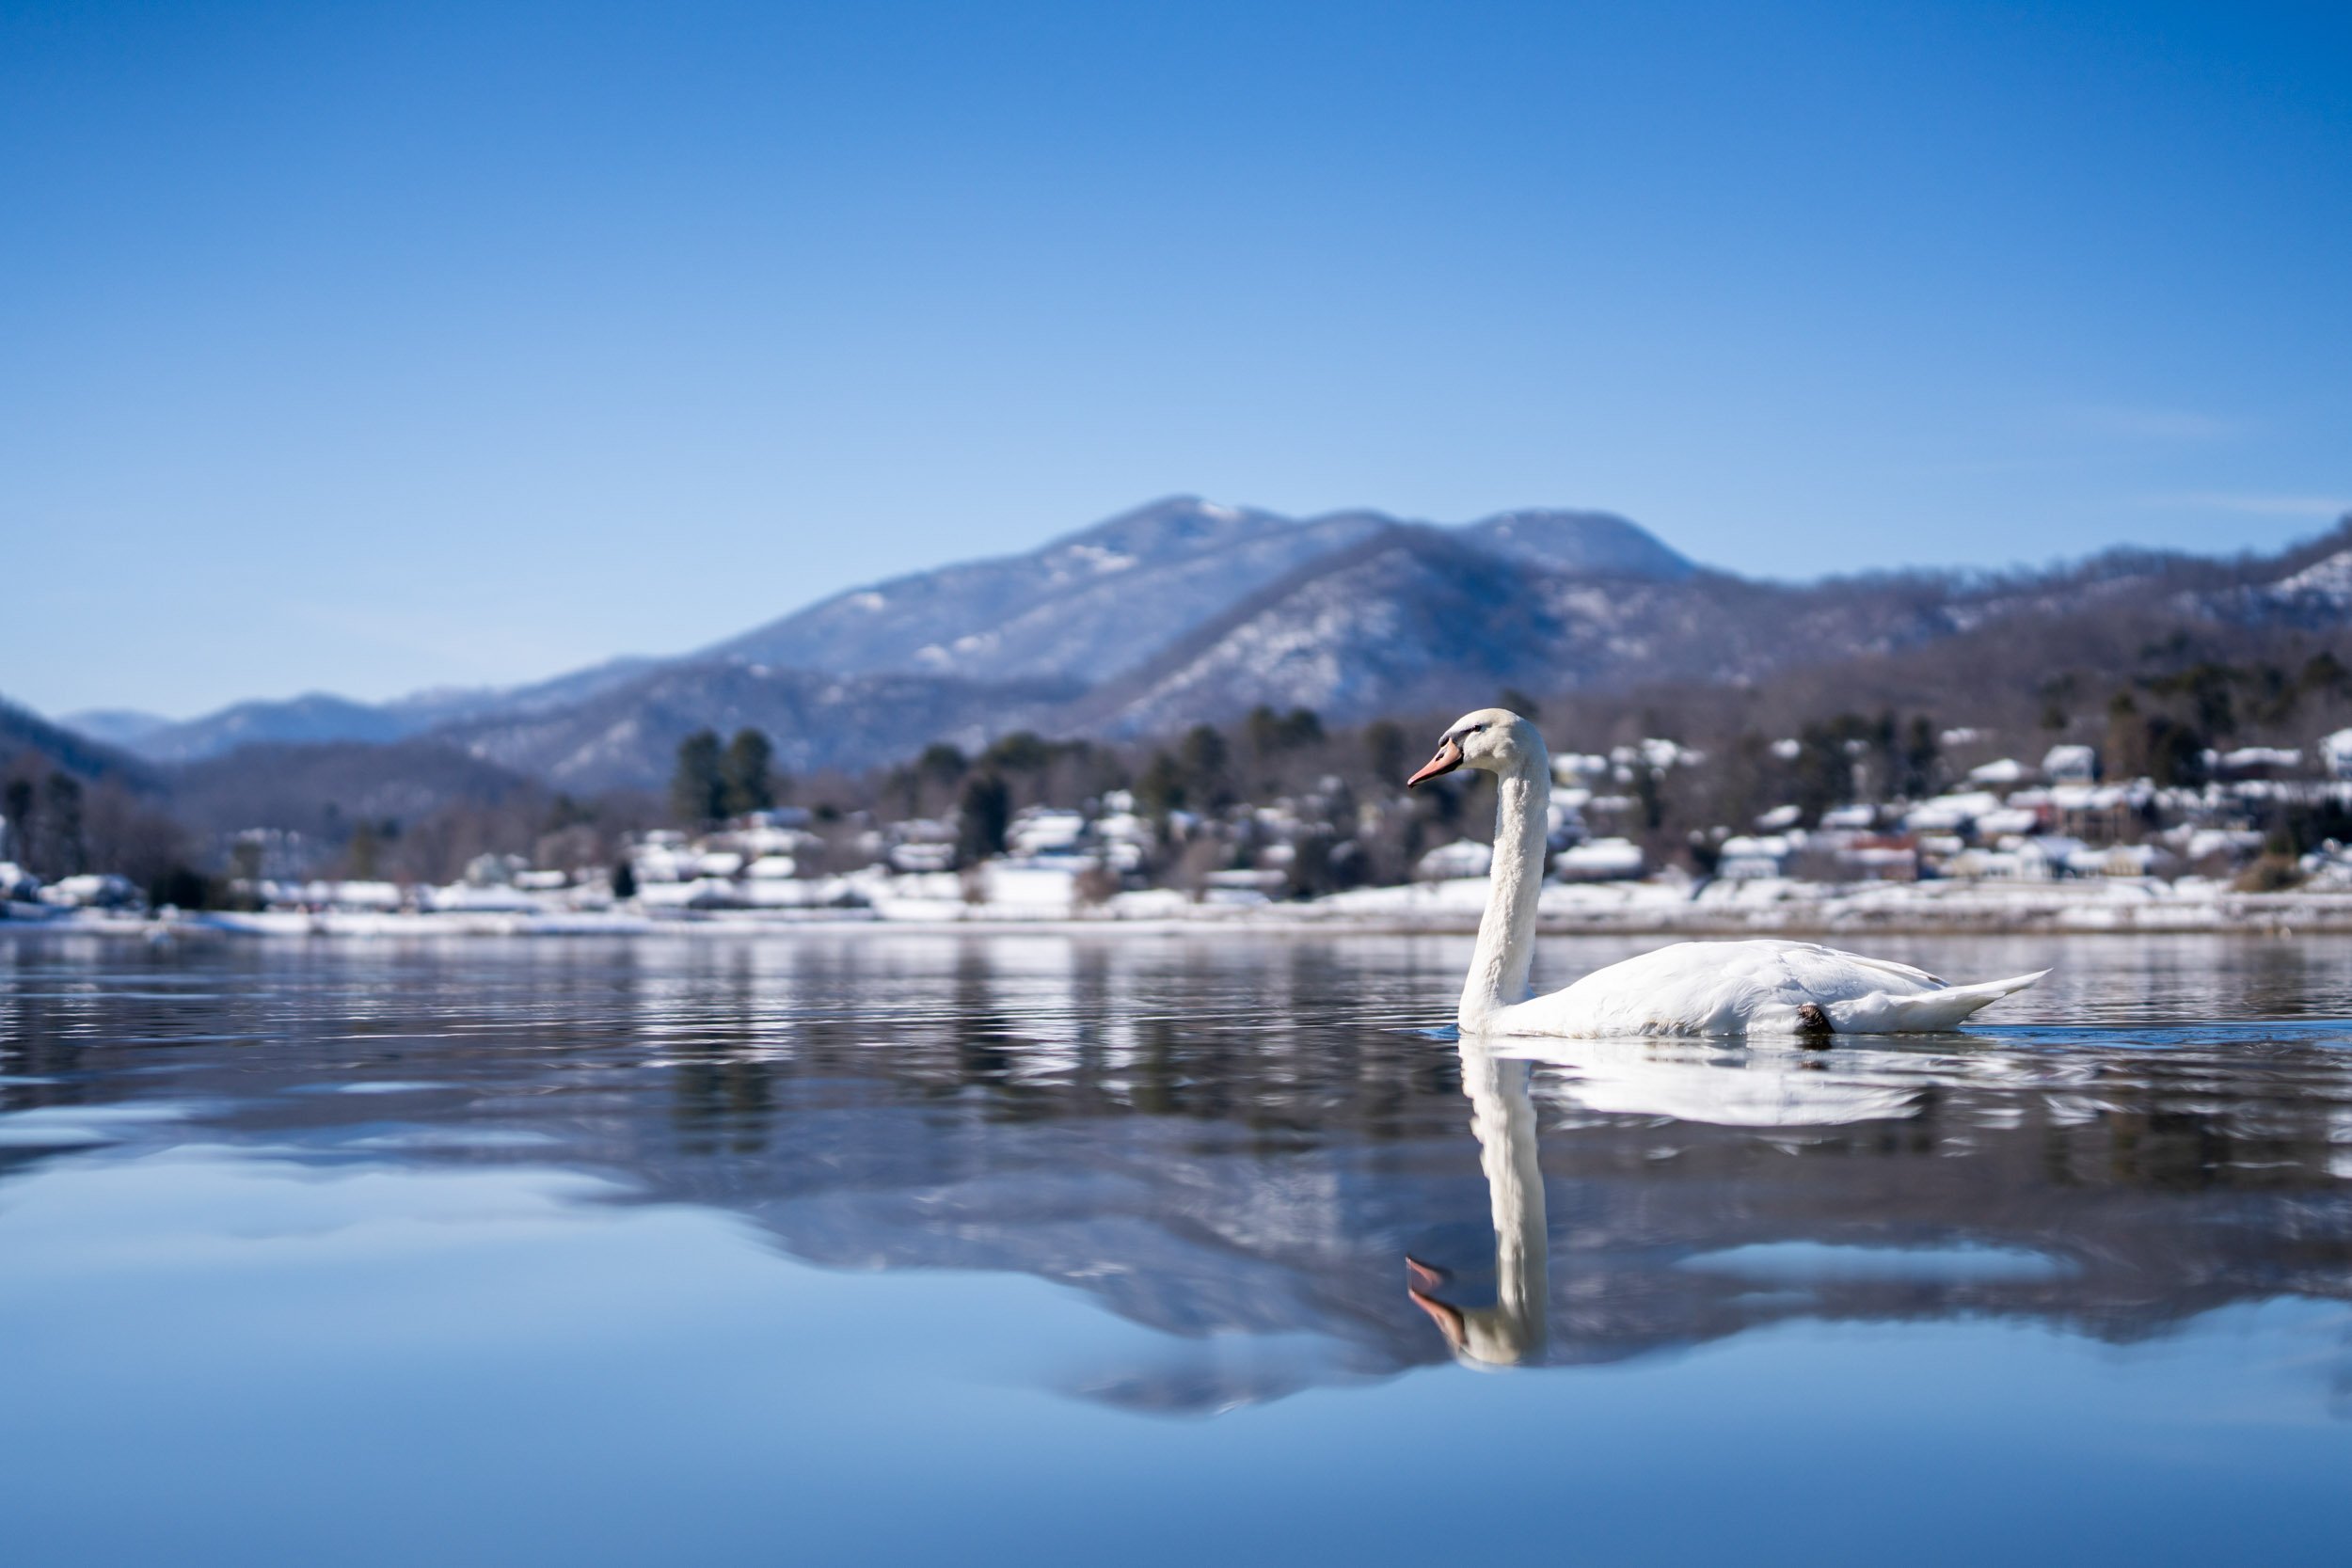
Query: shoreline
[1755,908]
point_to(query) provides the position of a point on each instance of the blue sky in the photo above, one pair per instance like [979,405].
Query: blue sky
[369,347]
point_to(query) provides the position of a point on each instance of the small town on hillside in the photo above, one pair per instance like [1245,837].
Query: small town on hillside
[1184,841]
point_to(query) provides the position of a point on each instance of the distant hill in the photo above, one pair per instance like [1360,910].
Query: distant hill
[115,726]
[628,737]
[322,718]
[1184,611]
[28,742]
[1087,604]
[1100,602]
[321,791]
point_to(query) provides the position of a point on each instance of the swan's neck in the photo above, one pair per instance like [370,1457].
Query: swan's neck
[1502,1115]
[1507,933]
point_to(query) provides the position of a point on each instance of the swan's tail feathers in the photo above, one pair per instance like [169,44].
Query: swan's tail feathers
[1927,1010]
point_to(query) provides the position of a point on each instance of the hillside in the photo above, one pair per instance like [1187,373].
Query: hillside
[1087,607]
[1184,611]
[29,743]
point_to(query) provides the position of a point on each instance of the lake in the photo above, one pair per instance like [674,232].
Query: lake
[857,1246]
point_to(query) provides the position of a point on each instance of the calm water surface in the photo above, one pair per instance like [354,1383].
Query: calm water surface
[866,1247]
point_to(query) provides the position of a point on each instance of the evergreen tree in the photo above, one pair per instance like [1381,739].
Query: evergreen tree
[1385,750]
[697,790]
[363,851]
[61,805]
[1263,728]
[20,812]
[1022,752]
[745,783]
[1203,755]
[1160,788]
[1922,759]
[983,815]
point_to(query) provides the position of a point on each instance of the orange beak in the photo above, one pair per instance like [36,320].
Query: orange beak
[1449,757]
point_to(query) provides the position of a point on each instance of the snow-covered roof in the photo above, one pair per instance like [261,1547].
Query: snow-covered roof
[2071,762]
[1464,857]
[1599,857]
[1950,812]
[1755,847]
[2009,819]
[2246,757]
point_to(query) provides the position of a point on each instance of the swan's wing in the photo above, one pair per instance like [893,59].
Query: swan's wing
[1826,974]
[1687,988]
[1888,1013]
[1759,986]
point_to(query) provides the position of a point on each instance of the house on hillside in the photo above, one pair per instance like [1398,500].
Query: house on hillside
[2071,765]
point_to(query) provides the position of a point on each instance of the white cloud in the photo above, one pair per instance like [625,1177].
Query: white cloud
[2149,424]
[2256,503]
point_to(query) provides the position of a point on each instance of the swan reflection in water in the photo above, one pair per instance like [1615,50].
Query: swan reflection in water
[1689,1080]
[1503,1117]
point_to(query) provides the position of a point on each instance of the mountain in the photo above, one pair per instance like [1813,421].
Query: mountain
[1184,611]
[115,726]
[1100,602]
[1416,617]
[969,639]
[317,717]
[1089,604]
[451,704]
[320,790]
[627,739]
[321,718]
[2314,589]
[29,743]
[1599,543]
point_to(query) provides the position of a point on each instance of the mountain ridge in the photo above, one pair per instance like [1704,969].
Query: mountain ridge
[1182,610]
[1084,606]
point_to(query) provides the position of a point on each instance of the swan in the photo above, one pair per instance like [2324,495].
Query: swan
[1692,987]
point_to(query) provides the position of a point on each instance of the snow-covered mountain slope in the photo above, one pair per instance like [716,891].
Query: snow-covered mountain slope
[1595,542]
[1085,607]
[1420,617]
[1098,603]
[1184,611]
[627,739]
[1091,604]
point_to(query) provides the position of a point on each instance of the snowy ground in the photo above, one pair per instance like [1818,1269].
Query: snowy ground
[1751,906]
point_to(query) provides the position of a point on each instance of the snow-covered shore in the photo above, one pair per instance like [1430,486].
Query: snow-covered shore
[1750,906]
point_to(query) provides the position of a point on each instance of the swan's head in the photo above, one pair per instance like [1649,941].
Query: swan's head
[1494,739]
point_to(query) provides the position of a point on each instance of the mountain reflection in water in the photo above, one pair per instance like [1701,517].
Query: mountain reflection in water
[1238,1143]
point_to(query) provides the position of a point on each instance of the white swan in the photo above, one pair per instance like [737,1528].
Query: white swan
[1692,988]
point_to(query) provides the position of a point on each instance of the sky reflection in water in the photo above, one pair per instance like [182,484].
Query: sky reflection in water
[484,1252]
